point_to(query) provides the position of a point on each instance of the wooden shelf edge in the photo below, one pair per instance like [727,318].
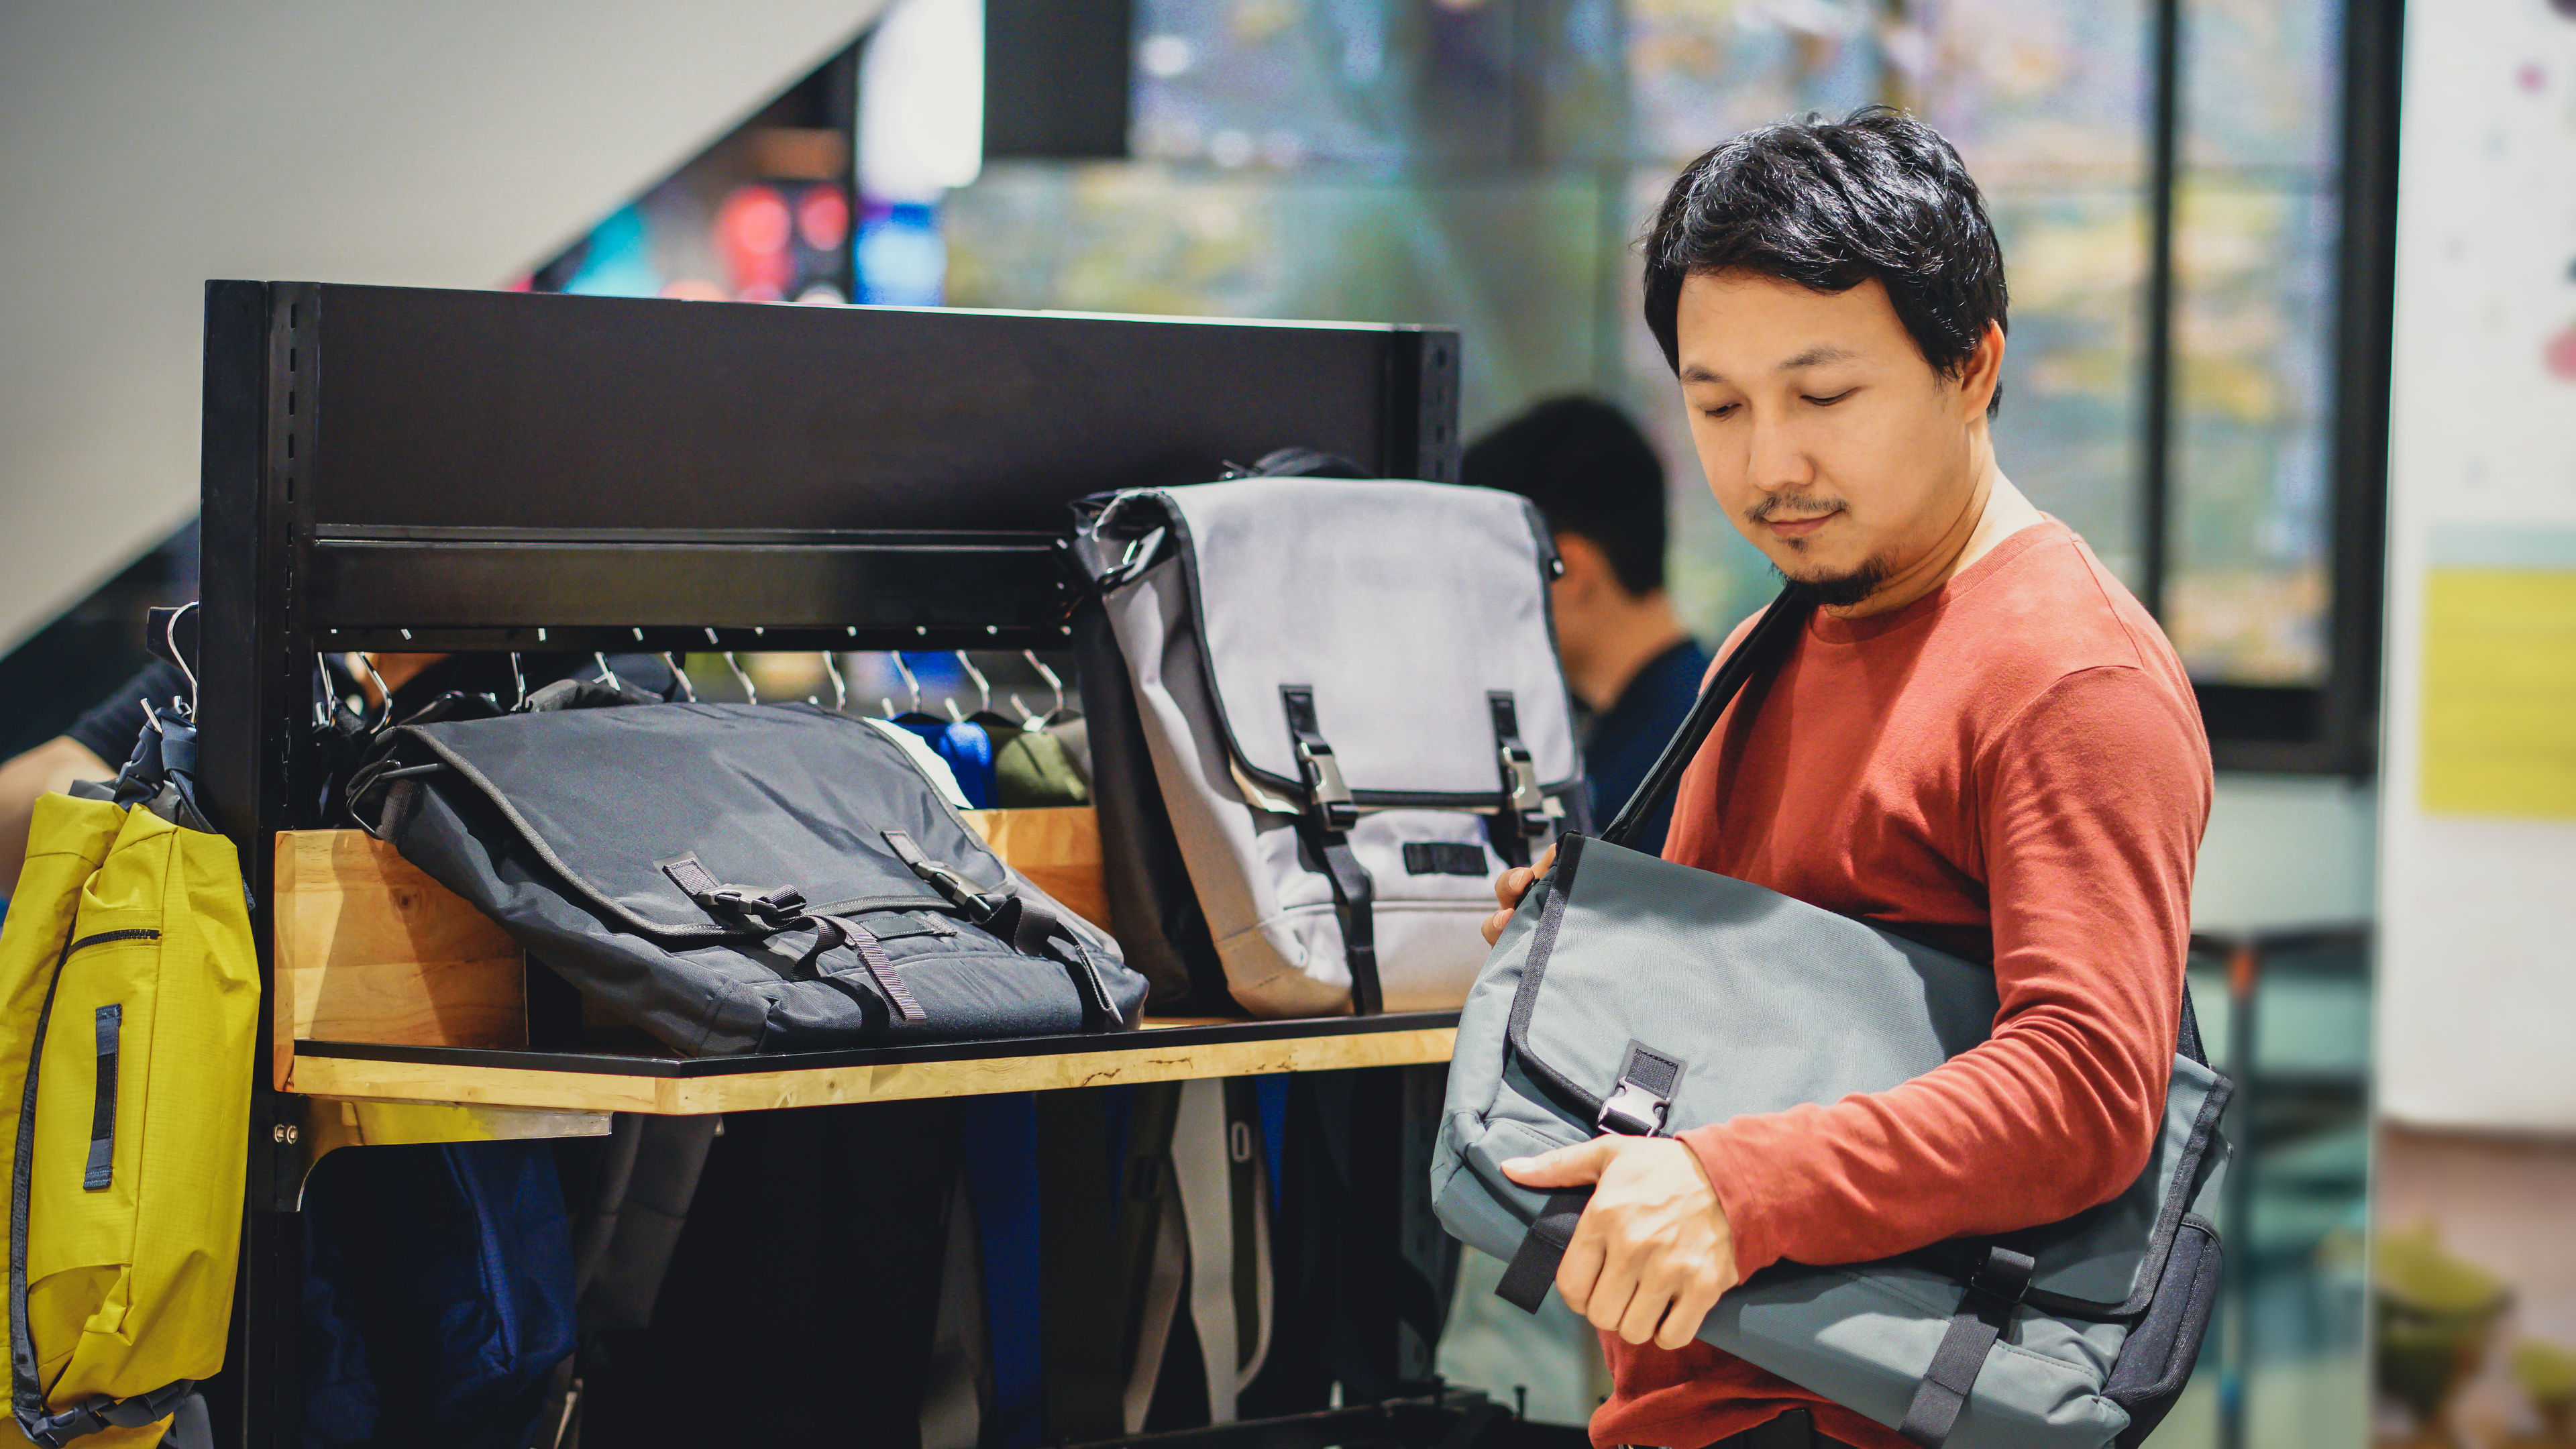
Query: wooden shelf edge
[383,1081]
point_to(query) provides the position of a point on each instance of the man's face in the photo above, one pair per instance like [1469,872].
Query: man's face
[1825,435]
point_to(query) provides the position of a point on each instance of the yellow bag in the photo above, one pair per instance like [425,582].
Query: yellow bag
[129,980]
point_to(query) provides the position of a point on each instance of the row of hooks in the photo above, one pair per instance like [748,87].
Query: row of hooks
[751,692]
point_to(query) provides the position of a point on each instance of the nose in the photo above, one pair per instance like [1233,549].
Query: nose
[1776,459]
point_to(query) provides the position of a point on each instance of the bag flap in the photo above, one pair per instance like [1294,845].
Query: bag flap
[1402,605]
[1769,1003]
[763,795]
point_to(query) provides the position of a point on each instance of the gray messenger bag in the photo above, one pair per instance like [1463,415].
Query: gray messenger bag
[739,878]
[1630,994]
[1337,702]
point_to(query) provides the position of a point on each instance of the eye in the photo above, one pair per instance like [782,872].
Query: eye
[1720,412]
[1826,402]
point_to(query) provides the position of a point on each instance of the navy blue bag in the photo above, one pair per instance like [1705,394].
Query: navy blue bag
[438,1293]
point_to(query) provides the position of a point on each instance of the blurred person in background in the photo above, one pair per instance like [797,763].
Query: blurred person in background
[1632,666]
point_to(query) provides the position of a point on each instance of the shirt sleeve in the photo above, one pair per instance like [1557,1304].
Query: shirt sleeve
[2092,800]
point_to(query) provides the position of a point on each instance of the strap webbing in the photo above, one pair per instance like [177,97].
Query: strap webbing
[1325,828]
[1762,651]
[100,1171]
[1532,1270]
[38,1422]
[1985,1310]
[1355,906]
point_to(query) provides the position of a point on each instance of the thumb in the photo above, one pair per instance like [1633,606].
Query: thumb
[1565,1167]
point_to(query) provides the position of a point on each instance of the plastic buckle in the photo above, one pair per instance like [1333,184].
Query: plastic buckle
[1325,791]
[1632,1111]
[772,908]
[1534,808]
[2004,1276]
[78,1421]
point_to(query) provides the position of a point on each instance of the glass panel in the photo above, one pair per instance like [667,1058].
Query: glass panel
[1516,263]
[2247,600]
[2046,100]
[2068,431]
[1276,83]
[1703,71]
[2036,89]
[2260,84]
[2248,597]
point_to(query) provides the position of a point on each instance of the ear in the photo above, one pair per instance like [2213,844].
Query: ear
[1982,373]
[1587,568]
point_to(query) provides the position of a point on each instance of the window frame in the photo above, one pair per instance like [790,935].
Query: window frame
[2331,727]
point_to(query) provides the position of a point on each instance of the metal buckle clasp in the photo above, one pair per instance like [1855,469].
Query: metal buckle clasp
[1632,1111]
[1325,792]
[1535,809]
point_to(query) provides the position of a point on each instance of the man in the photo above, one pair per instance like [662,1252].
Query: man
[1626,655]
[1980,736]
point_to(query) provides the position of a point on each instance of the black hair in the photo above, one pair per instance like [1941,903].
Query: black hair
[1590,472]
[1829,205]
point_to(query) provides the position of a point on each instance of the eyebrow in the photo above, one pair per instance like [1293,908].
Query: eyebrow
[1812,357]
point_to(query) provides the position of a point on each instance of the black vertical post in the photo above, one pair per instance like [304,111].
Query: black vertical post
[258,442]
[2364,327]
[2164,168]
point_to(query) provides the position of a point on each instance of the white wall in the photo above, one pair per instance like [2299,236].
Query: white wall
[2477,986]
[147,147]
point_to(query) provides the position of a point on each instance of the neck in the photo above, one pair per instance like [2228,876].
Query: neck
[1992,511]
[1601,671]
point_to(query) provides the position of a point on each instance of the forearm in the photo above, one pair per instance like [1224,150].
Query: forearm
[47,769]
[2041,1122]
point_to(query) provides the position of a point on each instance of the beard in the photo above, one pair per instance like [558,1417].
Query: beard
[1839,591]
[1826,590]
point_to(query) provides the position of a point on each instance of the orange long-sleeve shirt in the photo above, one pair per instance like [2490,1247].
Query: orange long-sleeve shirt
[2014,765]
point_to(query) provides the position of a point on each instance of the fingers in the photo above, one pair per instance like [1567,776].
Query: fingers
[1495,924]
[1646,1308]
[1564,1167]
[1682,1321]
[1616,1287]
[1579,1270]
[1511,885]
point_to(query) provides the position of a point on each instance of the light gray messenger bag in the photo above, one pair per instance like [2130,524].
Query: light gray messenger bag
[1325,713]
[1630,994]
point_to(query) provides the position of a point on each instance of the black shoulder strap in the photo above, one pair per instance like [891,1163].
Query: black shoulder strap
[1762,651]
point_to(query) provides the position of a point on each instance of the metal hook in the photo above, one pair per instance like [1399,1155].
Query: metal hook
[607,675]
[840,686]
[170,637]
[680,678]
[983,687]
[367,662]
[519,682]
[748,693]
[324,697]
[1049,675]
[909,681]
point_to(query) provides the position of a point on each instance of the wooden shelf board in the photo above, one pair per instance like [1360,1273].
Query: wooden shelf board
[1172,1051]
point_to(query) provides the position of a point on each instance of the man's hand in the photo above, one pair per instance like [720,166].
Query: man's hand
[1653,1250]
[1509,887]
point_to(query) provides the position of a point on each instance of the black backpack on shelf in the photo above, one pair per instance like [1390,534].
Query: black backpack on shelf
[740,878]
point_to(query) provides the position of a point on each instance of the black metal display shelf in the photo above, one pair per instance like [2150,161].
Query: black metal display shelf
[402,469]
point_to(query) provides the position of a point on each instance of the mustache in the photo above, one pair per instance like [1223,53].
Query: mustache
[1794,505]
